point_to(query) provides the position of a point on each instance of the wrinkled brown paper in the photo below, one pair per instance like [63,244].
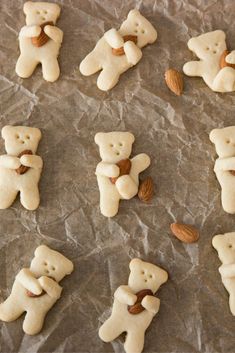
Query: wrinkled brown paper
[194,314]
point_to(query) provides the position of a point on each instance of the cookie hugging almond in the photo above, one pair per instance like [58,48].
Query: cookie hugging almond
[20,168]
[40,41]
[36,289]
[134,306]
[117,174]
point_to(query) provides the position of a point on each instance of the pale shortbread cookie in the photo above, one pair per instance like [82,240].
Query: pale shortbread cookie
[224,140]
[38,13]
[18,139]
[225,246]
[36,289]
[143,276]
[114,147]
[112,66]
[209,47]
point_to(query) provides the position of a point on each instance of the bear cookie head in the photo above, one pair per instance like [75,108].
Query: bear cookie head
[225,246]
[208,46]
[114,146]
[224,140]
[20,138]
[38,13]
[145,276]
[139,26]
[50,263]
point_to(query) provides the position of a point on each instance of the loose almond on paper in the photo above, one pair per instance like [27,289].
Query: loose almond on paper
[185,232]
[174,81]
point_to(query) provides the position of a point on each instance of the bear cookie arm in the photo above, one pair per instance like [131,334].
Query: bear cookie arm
[119,50]
[20,168]
[34,292]
[40,41]
[133,308]
[114,183]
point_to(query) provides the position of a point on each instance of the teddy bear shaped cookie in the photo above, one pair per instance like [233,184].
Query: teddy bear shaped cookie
[209,48]
[36,289]
[224,140]
[225,246]
[20,168]
[40,41]
[117,175]
[118,50]
[134,305]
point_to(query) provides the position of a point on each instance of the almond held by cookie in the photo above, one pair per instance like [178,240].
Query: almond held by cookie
[120,51]
[124,167]
[23,169]
[145,192]
[185,232]
[223,62]
[43,37]
[174,81]
[137,308]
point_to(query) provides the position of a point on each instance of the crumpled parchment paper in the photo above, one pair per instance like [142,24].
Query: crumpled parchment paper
[194,314]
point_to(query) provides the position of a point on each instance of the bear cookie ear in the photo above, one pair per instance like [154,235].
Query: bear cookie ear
[28,7]
[99,137]
[134,262]
[216,241]
[5,131]
[214,134]
[133,13]
[191,43]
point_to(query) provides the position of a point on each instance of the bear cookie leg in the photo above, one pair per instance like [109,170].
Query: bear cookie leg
[29,198]
[10,310]
[109,204]
[110,330]
[25,66]
[33,322]
[134,341]
[50,69]
[107,79]
[7,197]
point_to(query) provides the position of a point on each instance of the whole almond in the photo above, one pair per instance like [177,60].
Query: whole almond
[145,192]
[232,172]
[124,167]
[120,51]
[174,81]
[23,169]
[137,308]
[43,37]
[184,232]
[223,62]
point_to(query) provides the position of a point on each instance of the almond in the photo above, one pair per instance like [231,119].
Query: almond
[174,81]
[184,232]
[124,167]
[145,192]
[120,51]
[137,308]
[232,172]
[223,62]
[23,169]
[43,37]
